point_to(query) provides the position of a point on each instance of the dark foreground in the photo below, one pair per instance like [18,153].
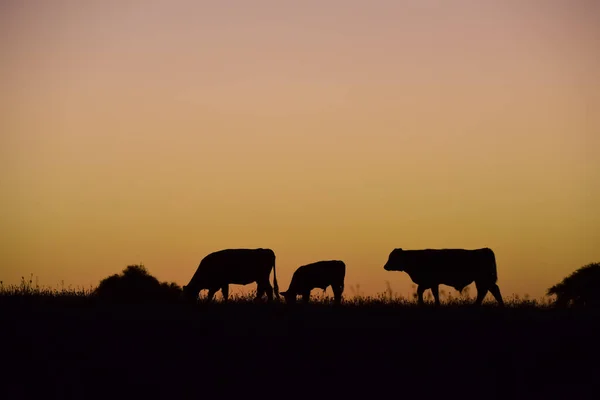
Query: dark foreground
[244,350]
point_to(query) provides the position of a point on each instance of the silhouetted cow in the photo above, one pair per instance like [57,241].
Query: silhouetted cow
[453,267]
[234,266]
[317,275]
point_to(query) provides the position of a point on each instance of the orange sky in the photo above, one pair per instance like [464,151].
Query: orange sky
[160,131]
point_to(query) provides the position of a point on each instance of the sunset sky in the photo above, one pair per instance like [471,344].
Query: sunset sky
[156,132]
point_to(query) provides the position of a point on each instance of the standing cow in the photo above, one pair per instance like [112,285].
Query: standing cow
[234,266]
[317,275]
[453,267]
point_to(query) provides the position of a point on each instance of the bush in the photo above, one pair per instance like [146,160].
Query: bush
[581,288]
[136,285]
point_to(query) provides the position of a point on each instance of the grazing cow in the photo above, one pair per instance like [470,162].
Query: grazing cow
[453,267]
[317,275]
[234,266]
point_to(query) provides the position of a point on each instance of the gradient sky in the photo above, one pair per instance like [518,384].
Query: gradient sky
[160,131]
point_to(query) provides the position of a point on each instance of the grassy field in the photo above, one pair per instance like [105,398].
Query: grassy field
[65,343]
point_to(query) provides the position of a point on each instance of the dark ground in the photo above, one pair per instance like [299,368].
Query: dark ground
[243,350]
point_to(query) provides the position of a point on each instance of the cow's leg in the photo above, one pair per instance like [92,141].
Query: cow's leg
[436,294]
[495,290]
[482,290]
[225,292]
[259,292]
[269,291]
[337,293]
[263,287]
[306,296]
[211,294]
[420,291]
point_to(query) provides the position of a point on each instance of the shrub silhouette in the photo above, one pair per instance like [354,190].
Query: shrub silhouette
[581,288]
[136,285]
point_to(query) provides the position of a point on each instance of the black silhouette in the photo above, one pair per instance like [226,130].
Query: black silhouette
[457,268]
[580,289]
[234,266]
[320,274]
[59,343]
[136,285]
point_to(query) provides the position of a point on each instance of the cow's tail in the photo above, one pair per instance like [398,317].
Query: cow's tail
[275,285]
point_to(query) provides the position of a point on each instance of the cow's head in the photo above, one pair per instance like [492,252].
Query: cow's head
[288,296]
[186,294]
[394,262]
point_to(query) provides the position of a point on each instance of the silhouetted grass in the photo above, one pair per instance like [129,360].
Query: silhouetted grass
[64,343]
[27,291]
[44,293]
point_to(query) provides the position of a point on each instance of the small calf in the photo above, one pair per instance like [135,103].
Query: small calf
[317,275]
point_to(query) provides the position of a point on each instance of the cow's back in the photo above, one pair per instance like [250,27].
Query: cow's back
[237,266]
[319,275]
[455,267]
